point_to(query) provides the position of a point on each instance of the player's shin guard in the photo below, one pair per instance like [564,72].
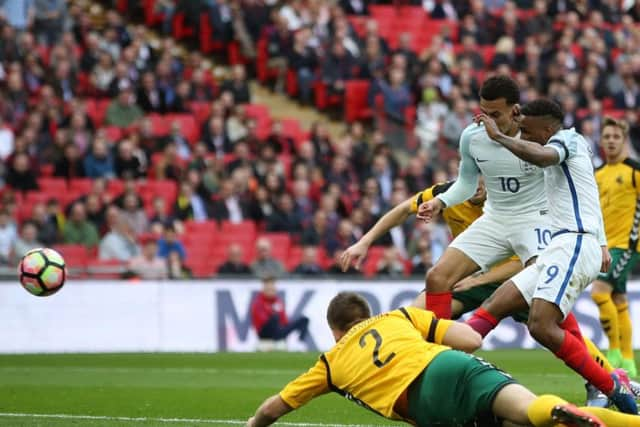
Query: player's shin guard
[575,355]
[439,303]
[482,322]
[608,319]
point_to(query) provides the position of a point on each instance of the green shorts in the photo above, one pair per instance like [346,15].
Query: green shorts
[474,297]
[456,389]
[622,262]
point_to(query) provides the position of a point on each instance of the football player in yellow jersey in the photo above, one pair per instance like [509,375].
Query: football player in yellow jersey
[401,366]
[619,186]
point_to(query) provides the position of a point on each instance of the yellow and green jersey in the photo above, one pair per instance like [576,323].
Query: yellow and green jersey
[375,361]
[619,187]
[457,217]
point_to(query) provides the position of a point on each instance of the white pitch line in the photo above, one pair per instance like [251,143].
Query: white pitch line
[154,370]
[165,420]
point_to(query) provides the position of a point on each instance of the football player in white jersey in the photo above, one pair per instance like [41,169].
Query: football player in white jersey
[576,253]
[515,213]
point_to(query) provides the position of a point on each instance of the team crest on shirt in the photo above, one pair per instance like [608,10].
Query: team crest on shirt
[527,167]
[620,180]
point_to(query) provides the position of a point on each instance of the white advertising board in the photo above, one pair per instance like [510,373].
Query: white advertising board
[192,316]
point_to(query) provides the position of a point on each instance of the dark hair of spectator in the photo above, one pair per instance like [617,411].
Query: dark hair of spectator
[497,87]
[347,309]
[543,107]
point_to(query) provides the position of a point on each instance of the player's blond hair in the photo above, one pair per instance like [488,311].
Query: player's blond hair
[619,123]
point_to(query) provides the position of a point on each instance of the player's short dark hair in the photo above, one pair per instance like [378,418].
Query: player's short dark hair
[497,87]
[543,107]
[346,309]
[619,123]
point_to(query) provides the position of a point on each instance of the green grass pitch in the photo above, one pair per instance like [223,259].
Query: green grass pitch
[201,389]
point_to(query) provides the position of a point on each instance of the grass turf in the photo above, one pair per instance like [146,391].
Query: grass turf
[208,389]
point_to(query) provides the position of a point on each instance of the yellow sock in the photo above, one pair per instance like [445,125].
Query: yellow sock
[597,355]
[539,412]
[613,418]
[608,318]
[625,328]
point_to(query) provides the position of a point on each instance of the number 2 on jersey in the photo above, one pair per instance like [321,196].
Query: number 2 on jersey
[376,350]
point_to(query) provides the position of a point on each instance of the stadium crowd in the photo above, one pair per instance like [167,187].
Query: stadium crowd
[114,139]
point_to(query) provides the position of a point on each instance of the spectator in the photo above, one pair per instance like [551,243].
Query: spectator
[177,138]
[303,60]
[176,269]
[424,264]
[27,240]
[455,122]
[284,218]
[8,235]
[50,19]
[122,111]
[48,231]
[18,13]
[390,264]
[149,96]
[238,85]
[126,163]
[215,137]
[309,265]
[265,265]
[190,205]
[337,68]
[148,265]
[169,243]
[234,264]
[228,205]
[355,7]
[133,214]
[159,213]
[99,162]
[316,234]
[268,315]
[20,175]
[78,230]
[120,242]
[96,212]
[71,165]
[6,140]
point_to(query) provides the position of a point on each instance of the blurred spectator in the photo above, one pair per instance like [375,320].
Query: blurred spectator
[176,269]
[27,240]
[177,138]
[99,162]
[264,264]
[268,315]
[120,242]
[18,13]
[148,265]
[316,233]
[126,163]
[96,212]
[6,140]
[238,85]
[20,175]
[133,214]
[278,46]
[170,243]
[337,68]
[425,262]
[215,137]
[355,7]
[228,205]
[234,264]
[46,223]
[78,230]
[455,122]
[343,238]
[122,111]
[309,264]
[8,235]
[189,205]
[149,96]
[50,19]
[390,264]
[284,218]
[71,165]
[159,212]
[303,60]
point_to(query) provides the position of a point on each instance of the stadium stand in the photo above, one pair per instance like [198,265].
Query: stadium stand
[199,155]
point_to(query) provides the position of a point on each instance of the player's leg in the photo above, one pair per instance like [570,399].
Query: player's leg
[481,245]
[626,334]
[469,300]
[601,293]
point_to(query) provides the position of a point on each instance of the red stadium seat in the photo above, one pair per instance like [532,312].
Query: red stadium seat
[291,83]
[180,30]
[204,227]
[200,110]
[52,185]
[80,185]
[374,255]
[160,126]
[97,110]
[106,269]
[75,257]
[356,100]
[188,125]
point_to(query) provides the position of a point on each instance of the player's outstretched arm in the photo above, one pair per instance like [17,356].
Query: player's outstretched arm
[461,336]
[356,252]
[269,412]
[531,152]
[498,274]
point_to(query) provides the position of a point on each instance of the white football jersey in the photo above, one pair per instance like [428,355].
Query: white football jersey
[574,202]
[514,187]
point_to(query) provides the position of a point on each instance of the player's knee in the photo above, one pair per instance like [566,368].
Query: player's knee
[437,279]
[619,299]
[540,330]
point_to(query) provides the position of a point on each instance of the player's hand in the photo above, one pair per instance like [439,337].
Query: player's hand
[606,260]
[250,422]
[428,210]
[465,284]
[489,125]
[355,252]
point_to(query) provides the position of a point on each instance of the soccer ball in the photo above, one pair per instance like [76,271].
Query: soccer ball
[42,272]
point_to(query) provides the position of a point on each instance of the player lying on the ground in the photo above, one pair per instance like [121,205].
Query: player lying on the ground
[619,185]
[474,290]
[576,254]
[399,366]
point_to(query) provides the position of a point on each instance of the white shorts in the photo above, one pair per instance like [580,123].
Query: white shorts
[562,271]
[491,239]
